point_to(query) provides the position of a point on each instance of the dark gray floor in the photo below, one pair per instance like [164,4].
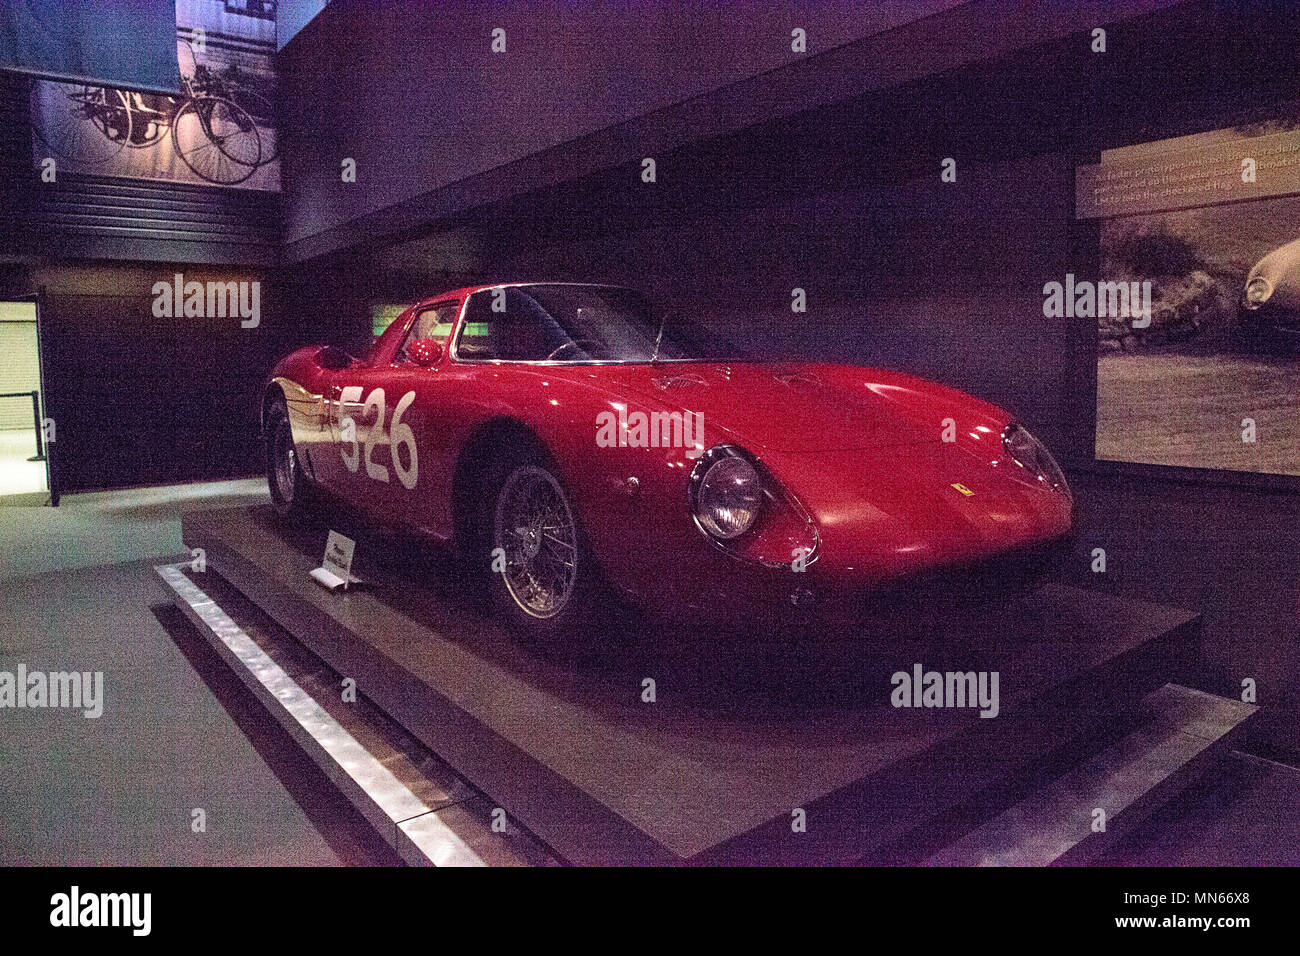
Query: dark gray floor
[107,527]
[178,731]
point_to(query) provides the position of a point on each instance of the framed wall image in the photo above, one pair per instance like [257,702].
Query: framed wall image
[1205,371]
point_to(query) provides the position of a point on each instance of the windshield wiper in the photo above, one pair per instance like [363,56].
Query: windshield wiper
[663,320]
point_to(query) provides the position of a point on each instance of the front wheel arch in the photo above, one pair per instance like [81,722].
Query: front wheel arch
[585,601]
[489,444]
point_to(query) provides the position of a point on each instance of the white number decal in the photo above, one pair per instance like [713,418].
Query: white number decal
[348,428]
[373,433]
[399,435]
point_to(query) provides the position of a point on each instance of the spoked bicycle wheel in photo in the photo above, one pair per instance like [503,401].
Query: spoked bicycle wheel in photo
[217,139]
[264,115]
[82,126]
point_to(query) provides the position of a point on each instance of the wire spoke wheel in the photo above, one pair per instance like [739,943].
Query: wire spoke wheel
[533,525]
[285,479]
[81,125]
[284,461]
[217,140]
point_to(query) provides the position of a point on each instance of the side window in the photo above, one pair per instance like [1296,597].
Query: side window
[521,331]
[433,323]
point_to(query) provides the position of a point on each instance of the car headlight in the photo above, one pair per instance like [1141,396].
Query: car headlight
[726,493]
[1258,291]
[1032,455]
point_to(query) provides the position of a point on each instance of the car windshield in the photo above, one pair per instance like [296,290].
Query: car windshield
[581,324]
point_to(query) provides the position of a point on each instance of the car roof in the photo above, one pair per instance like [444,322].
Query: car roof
[471,289]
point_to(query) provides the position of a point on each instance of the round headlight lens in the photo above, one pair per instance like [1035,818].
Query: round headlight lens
[728,498]
[1032,455]
[1258,291]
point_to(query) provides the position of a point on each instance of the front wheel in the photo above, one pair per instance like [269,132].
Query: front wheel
[542,576]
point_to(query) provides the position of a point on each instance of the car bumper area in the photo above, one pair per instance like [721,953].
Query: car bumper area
[738,590]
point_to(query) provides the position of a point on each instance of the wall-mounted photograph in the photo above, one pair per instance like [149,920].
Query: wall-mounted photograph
[219,129]
[1211,222]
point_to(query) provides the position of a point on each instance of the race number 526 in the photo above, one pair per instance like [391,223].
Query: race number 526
[399,435]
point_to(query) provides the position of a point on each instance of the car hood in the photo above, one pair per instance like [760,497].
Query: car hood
[893,511]
[1279,262]
[803,406]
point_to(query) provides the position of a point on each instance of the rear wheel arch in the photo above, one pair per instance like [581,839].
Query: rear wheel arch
[273,393]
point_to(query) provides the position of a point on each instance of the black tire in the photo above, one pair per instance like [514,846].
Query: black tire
[290,490]
[513,554]
[1267,334]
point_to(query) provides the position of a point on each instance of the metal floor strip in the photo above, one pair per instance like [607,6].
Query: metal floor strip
[411,824]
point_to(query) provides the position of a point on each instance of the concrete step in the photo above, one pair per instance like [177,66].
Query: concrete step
[1183,732]
[418,804]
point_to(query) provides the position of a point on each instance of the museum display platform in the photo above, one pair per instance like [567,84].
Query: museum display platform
[754,748]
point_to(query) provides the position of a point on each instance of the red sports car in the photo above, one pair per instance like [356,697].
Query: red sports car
[569,437]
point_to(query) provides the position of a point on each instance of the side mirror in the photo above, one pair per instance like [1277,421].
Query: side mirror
[333,358]
[424,352]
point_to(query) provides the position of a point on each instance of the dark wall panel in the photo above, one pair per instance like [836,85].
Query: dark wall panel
[139,399]
[16,172]
[438,125]
[413,92]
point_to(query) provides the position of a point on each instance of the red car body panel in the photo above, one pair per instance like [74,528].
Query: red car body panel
[871,488]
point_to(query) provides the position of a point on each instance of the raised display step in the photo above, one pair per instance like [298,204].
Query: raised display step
[754,750]
[416,803]
[1184,732]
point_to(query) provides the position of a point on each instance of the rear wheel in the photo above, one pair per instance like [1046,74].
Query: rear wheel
[284,474]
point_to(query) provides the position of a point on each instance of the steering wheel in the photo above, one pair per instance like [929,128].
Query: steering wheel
[572,344]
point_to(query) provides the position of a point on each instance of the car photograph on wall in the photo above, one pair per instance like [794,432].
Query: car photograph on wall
[1270,298]
[570,438]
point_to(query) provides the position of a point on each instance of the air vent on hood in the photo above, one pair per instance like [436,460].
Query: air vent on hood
[667,382]
[799,378]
